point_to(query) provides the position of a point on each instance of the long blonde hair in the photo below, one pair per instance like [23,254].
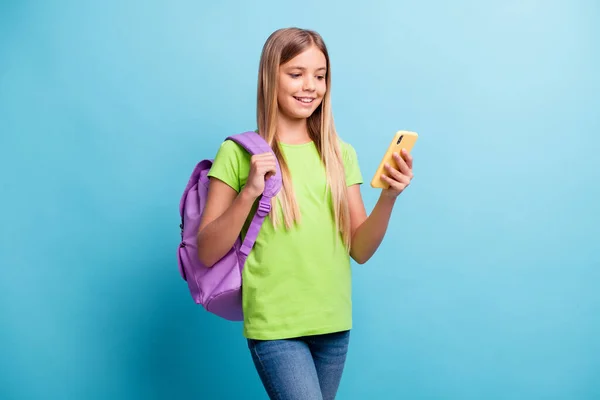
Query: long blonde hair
[280,47]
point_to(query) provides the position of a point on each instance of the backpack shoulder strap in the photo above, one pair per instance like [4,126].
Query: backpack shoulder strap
[253,143]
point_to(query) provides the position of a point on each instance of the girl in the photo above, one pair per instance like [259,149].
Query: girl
[297,279]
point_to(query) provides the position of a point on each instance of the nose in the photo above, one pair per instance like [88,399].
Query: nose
[309,84]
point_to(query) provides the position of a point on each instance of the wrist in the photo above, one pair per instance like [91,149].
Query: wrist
[246,195]
[387,198]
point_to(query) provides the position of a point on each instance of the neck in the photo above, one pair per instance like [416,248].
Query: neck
[292,131]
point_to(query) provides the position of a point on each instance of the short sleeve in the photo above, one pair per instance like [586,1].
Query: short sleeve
[351,166]
[228,164]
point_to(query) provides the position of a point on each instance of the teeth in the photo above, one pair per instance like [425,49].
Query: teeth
[305,99]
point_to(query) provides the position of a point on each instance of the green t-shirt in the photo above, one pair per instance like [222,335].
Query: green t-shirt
[295,282]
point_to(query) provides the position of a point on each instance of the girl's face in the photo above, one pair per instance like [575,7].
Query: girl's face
[302,84]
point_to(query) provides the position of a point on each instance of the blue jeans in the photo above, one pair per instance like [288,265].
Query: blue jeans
[304,368]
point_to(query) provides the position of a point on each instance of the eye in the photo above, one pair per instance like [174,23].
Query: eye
[320,77]
[294,76]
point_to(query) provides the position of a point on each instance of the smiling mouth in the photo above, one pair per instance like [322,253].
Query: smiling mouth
[305,100]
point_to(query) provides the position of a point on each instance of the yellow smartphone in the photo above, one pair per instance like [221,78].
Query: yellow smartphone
[402,140]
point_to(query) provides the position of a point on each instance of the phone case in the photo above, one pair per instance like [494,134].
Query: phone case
[402,140]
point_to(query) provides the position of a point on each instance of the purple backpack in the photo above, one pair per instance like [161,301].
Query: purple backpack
[219,288]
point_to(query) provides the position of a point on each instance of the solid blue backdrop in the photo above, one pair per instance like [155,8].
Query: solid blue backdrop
[486,286]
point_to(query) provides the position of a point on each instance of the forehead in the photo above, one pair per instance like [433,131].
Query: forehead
[311,58]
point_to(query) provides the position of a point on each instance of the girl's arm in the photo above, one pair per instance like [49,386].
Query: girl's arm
[226,211]
[368,232]
[222,221]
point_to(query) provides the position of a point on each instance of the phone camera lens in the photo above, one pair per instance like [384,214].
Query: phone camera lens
[400,139]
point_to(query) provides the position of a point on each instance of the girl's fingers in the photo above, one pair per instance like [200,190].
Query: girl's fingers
[394,184]
[402,165]
[396,175]
[409,159]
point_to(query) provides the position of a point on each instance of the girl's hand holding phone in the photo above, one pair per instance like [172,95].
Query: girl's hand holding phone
[398,176]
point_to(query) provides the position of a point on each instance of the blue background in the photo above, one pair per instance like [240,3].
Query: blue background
[486,286]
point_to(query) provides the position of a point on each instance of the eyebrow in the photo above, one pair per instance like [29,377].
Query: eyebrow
[303,69]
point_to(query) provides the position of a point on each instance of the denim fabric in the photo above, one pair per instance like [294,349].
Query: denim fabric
[304,368]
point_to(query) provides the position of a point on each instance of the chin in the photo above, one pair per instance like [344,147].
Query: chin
[304,114]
